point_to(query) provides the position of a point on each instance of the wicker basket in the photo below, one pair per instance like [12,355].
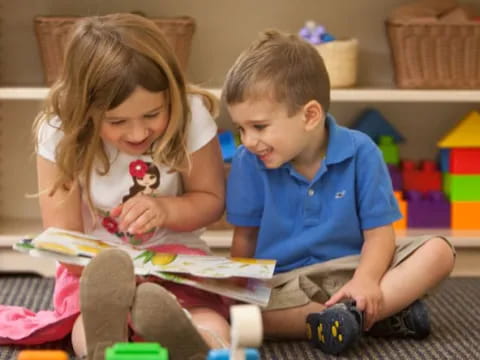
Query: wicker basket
[435,55]
[341,61]
[52,34]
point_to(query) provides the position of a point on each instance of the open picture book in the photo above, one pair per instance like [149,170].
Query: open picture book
[210,273]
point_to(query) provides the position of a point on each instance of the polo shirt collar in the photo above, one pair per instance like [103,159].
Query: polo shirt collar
[340,145]
[340,142]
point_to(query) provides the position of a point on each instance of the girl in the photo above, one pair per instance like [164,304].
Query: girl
[126,148]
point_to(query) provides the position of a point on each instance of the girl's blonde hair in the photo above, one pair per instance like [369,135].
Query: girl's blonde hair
[106,58]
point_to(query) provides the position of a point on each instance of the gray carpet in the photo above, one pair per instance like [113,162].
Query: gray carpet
[454,311]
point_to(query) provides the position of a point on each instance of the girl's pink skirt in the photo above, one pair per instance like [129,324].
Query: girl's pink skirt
[21,326]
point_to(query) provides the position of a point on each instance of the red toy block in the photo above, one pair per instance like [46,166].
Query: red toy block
[423,178]
[465,161]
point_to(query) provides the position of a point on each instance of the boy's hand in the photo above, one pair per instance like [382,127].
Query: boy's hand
[367,295]
[140,214]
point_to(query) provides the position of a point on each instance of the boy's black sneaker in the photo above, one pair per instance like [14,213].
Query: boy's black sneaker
[412,322]
[335,329]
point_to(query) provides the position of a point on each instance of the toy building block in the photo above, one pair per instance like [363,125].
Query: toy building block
[389,149]
[466,134]
[444,160]
[395,176]
[372,123]
[465,161]
[227,145]
[225,354]
[246,335]
[464,187]
[428,210]
[402,204]
[424,178]
[136,351]
[446,184]
[42,355]
[465,215]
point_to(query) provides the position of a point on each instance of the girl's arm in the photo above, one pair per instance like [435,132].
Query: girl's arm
[203,201]
[62,209]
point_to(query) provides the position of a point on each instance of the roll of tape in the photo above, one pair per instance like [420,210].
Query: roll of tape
[246,326]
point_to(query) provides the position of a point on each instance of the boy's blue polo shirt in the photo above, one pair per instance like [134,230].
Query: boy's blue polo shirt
[305,222]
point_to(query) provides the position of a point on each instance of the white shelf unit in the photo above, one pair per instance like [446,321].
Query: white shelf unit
[360,94]
[421,115]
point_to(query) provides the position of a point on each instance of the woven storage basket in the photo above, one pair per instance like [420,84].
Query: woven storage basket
[341,61]
[435,55]
[52,35]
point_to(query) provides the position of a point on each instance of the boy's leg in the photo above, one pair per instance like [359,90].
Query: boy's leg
[333,330]
[418,273]
[289,323]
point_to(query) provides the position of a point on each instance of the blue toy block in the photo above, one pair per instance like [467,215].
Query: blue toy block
[227,144]
[372,123]
[444,155]
[136,351]
[224,354]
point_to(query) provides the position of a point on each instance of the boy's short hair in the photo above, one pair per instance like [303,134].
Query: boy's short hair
[280,65]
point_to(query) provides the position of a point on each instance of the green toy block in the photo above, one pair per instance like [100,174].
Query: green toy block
[389,150]
[464,187]
[446,184]
[136,351]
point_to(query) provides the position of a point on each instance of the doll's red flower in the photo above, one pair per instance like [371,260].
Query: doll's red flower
[138,168]
[110,224]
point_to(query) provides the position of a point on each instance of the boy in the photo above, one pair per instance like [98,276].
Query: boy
[317,197]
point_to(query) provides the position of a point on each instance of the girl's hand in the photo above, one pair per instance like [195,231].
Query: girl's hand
[367,295]
[140,214]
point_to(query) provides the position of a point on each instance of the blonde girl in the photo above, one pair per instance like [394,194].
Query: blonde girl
[121,106]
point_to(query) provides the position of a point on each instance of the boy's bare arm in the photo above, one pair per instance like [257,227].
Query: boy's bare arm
[377,253]
[244,241]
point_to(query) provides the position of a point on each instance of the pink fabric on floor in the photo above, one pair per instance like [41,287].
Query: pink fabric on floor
[21,326]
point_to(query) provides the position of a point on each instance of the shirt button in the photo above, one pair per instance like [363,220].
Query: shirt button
[311,192]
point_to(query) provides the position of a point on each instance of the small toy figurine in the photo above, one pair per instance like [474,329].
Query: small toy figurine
[315,34]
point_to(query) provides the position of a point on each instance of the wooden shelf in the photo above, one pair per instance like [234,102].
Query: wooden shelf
[12,230]
[361,94]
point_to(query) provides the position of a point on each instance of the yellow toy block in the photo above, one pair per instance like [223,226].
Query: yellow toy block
[465,134]
[465,215]
[402,204]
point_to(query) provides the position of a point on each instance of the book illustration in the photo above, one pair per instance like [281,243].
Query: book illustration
[209,273]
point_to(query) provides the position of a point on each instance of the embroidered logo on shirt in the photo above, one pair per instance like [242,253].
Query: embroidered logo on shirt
[340,194]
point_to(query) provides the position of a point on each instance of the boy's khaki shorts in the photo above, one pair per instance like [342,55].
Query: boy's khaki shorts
[318,282]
